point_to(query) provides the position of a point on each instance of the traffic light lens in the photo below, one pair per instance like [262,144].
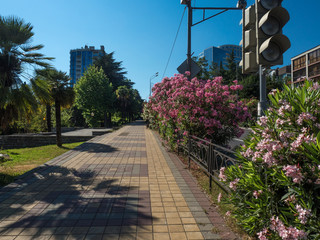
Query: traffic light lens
[271,26]
[269,4]
[272,53]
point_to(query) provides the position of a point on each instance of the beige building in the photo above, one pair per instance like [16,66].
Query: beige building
[306,65]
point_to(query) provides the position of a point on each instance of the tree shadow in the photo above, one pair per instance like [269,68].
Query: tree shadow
[95,147]
[54,200]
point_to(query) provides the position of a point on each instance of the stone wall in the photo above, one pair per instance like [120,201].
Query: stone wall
[21,141]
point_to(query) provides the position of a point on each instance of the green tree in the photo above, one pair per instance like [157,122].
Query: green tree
[113,70]
[94,96]
[17,54]
[135,105]
[203,64]
[63,96]
[45,75]
[123,94]
[233,71]
[251,86]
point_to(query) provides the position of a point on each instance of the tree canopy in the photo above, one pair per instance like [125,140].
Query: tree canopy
[94,95]
[16,54]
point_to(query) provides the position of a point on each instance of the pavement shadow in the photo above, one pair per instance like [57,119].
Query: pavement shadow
[54,200]
[95,148]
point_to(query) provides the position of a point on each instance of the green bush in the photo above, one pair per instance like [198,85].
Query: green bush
[276,186]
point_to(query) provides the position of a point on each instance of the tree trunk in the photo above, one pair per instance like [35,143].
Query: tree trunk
[109,121]
[58,123]
[105,123]
[48,113]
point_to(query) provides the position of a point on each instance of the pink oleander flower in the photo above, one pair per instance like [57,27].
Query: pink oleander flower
[294,172]
[304,117]
[316,86]
[233,184]
[303,214]
[256,194]
[222,176]
[228,213]
[248,153]
[273,92]
[286,233]
[291,198]
[263,234]
[263,121]
[269,159]
[219,197]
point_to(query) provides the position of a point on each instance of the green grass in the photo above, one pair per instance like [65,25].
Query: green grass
[24,159]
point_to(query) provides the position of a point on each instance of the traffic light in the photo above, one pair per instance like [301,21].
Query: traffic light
[271,43]
[249,41]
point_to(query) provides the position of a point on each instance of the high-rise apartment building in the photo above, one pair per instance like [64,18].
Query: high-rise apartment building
[81,59]
[219,54]
[306,65]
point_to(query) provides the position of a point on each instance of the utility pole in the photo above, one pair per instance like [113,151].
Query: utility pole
[241,4]
[189,35]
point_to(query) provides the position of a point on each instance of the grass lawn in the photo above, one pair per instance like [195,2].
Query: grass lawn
[25,159]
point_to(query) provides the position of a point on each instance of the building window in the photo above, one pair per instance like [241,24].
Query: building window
[314,56]
[299,63]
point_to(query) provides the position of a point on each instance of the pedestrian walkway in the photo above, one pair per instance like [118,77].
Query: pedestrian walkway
[121,185]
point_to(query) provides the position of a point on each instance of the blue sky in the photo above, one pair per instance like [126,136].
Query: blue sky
[141,32]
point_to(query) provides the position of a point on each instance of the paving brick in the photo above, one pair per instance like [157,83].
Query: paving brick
[123,185]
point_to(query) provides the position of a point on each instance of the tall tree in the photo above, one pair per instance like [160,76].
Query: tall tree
[16,54]
[45,75]
[61,93]
[136,104]
[123,94]
[203,64]
[94,96]
[113,70]
[231,68]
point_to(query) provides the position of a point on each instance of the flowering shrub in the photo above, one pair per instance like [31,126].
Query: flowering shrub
[276,186]
[206,109]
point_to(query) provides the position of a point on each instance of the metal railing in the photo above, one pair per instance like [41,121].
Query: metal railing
[208,156]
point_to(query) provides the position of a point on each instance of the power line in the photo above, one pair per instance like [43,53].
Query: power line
[174,42]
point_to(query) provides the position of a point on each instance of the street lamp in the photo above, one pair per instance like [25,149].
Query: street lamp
[152,77]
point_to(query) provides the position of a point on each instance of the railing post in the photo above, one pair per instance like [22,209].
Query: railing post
[189,150]
[210,167]
[178,143]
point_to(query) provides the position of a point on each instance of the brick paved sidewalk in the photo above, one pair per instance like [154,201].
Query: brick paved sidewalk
[122,185]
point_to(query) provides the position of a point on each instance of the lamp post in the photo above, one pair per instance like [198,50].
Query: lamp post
[152,77]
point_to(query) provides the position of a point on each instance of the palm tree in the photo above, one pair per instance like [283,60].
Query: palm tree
[16,55]
[45,76]
[62,95]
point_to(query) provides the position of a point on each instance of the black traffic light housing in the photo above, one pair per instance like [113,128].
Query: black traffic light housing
[271,17]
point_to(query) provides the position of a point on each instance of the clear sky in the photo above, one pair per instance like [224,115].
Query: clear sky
[141,32]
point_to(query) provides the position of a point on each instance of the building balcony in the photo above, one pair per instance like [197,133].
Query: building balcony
[314,74]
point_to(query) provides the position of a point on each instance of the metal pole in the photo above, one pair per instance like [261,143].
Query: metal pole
[150,87]
[243,39]
[262,105]
[189,35]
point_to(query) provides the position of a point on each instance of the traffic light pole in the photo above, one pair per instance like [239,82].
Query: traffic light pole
[262,105]
[242,5]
